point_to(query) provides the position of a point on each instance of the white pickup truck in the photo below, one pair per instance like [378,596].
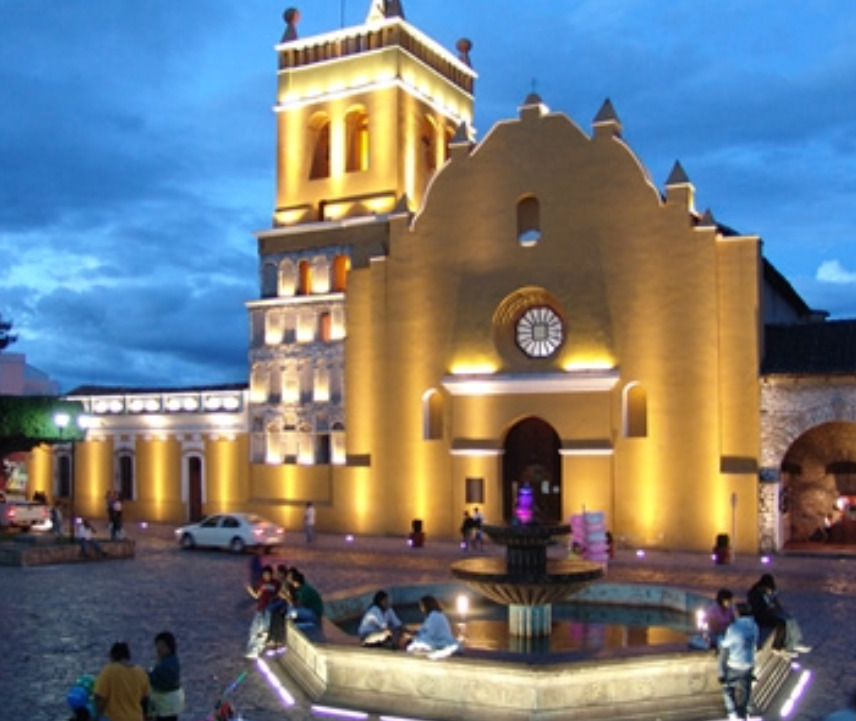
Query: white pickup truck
[21,513]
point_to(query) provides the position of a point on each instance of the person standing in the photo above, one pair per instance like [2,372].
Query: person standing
[117,534]
[737,665]
[264,594]
[478,521]
[166,700]
[309,522]
[121,689]
[109,497]
[56,519]
[467,527]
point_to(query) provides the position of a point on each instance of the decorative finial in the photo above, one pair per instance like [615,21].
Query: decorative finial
[464,46]
[380,9]
[291,17]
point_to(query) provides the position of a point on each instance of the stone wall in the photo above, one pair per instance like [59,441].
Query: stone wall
[791,407]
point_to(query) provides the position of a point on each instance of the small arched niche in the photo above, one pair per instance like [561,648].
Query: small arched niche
[528,221]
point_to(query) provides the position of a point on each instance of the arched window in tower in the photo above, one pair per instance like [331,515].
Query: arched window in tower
[269,280]
[274,443]
[337,451]
[305,276]
[259,384]
[325,327]
[319,127]
[428,138]
[338,329]
[339,273]
[275,382]
[320,275]
[356,140]
[635,411]
[291,385]
[321,386]
[257,328]
[432,415]
[287,278]
[528,221]
[273,327]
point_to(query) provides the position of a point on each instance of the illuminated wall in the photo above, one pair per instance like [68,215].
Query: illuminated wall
[658,312]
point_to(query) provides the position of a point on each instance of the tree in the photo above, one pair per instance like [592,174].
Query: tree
[6,337]
[27,421]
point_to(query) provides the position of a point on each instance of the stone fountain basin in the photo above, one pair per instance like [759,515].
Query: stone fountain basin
[491,578]
[668,681]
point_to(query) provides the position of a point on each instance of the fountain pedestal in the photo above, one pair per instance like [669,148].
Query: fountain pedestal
[530,621]
[526,581]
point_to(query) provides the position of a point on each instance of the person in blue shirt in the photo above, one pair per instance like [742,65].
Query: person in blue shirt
[737,665]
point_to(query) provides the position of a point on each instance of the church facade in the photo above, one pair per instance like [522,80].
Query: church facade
[441,320]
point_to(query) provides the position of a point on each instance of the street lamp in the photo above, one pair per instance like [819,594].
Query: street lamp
[62,420]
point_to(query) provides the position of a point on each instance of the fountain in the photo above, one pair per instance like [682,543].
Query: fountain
[664,680]
[526,581]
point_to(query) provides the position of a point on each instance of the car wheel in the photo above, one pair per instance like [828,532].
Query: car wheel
[237,545]
[187,541]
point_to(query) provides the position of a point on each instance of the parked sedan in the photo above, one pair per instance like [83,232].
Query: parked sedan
[235,531]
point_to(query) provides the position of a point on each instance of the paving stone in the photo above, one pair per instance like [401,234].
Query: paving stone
[57,622]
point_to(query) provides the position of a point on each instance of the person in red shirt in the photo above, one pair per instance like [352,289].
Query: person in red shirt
[264,593]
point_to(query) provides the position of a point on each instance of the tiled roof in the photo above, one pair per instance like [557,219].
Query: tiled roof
[810,348]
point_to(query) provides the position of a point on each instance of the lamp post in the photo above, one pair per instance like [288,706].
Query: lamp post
[62,420]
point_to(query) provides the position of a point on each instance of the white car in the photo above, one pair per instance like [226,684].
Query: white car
[235,531]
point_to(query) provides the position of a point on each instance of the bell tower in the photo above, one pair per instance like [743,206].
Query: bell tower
[364,116]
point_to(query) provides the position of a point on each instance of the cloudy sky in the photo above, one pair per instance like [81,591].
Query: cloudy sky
[137,139]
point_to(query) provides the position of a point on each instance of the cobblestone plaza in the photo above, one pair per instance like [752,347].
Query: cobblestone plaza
[57,622]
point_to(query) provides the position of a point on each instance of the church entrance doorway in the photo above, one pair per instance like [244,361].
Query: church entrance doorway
[532,456]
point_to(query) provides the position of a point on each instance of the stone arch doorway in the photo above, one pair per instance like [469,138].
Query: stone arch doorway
[817,500]
[532,454]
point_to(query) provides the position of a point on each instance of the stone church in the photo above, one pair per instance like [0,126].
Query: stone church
[440,320]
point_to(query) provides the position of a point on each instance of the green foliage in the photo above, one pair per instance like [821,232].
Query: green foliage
[6,337]
[27,421]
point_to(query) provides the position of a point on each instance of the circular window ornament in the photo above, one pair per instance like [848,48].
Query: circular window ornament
[540,332]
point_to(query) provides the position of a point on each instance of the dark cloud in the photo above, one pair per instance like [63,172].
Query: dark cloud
[137,148]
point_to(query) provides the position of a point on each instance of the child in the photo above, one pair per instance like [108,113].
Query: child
[264,594]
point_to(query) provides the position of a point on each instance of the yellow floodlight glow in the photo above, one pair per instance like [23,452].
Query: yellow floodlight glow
[290,217]
[473,369]
[336,211]
[589,364]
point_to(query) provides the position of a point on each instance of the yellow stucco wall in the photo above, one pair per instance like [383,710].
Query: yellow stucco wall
[645,292]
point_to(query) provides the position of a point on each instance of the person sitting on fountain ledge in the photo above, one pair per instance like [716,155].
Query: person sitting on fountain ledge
[434,636]
[768,611]
[380,627]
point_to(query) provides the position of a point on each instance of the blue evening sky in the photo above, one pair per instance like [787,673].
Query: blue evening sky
[137,147]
